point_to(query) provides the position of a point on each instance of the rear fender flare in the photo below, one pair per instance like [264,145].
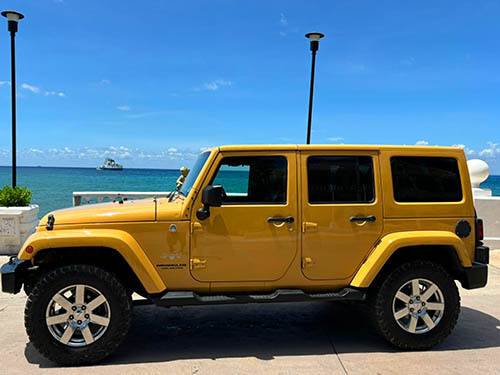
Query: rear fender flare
[390,243]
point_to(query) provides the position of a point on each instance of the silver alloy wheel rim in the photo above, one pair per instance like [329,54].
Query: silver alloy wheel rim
[78,315]
[418,306]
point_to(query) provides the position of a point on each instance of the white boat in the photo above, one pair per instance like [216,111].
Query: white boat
[111,165]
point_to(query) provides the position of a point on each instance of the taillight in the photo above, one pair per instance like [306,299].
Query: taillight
[479,230]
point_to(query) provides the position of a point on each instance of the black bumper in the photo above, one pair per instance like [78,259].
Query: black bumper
[14,273]
[475,276]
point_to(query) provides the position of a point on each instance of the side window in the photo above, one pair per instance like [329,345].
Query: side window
[253,179]
[425,179]
[340,179]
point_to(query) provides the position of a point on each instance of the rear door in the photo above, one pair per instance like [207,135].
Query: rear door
[342,211]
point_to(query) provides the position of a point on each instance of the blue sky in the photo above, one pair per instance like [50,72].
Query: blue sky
[151,83]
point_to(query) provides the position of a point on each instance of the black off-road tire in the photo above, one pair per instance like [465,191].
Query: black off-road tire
[381,298]
[48,285]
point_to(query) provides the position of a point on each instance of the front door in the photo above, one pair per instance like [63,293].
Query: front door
[251,237]
[342,211]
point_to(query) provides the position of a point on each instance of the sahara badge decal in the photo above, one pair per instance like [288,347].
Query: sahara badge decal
[172,266]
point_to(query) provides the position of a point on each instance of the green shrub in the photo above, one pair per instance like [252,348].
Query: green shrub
[15,197]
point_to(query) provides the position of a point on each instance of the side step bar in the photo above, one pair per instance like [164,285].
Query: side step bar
[280,295]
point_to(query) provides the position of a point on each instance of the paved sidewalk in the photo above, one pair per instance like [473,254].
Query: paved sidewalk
[303,338]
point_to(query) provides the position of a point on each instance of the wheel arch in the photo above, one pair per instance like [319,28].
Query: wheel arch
[116,249]
[444,248]
[445,255]
[103,257]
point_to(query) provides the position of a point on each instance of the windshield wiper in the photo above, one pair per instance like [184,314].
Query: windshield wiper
[172,195]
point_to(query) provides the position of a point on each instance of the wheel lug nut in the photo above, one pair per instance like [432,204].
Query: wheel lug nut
[411,302]
[84,307]
[71,317]
[423,303]
[73,308]
[419,311]
[412,310]
[79,322]
[87,316]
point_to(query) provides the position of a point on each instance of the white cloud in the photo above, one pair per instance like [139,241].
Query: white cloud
[123,108]
[335,139]
[31,88]
[283,19]
[7,83]
[211,86]
[38,90]
[54,93]
[95,155]
[491,151]
[422,143]
[282,33]
[105,82]
[214,85]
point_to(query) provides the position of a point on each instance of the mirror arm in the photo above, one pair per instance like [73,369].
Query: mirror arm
[203,212]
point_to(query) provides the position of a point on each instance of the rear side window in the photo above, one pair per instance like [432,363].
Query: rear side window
[340,179]
[425,179]
[253,179]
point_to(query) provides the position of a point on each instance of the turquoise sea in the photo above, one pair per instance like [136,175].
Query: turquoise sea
[53,187]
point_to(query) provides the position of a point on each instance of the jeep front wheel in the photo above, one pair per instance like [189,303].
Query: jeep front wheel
[77,314]
[416,306]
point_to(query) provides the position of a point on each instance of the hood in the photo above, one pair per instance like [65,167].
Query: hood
[113,212]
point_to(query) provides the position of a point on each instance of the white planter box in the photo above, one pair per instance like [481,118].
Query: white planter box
[16,224]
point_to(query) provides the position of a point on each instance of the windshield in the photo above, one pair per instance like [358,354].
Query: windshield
[193,173]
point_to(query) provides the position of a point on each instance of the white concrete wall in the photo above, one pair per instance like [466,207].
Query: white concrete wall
[16,224]
[488,209]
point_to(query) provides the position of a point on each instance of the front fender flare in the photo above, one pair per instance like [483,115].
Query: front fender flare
[394,241]
[118,240]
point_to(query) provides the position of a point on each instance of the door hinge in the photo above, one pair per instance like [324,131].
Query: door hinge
[309,226]
[195,226]
[307,262]
[196,263]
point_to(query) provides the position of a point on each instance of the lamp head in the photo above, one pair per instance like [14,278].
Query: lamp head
[13,18]
[314,38]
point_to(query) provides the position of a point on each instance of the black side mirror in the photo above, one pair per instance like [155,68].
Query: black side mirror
[212,195]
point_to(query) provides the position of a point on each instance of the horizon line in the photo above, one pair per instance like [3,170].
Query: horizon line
[42,166]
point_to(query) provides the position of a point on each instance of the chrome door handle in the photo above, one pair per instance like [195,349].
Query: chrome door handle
[360,219]
[287,219]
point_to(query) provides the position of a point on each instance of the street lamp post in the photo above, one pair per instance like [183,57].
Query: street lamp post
[13,18]
[314,39]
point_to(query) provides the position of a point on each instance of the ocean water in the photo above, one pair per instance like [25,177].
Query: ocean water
[53,187]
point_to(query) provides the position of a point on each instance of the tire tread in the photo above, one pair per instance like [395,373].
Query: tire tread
[76,357]
[379,296]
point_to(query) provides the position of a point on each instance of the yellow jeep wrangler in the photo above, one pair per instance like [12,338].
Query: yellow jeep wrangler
[390,226]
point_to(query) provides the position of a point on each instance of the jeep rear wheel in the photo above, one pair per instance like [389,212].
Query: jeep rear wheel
[416,306]
[77,314]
